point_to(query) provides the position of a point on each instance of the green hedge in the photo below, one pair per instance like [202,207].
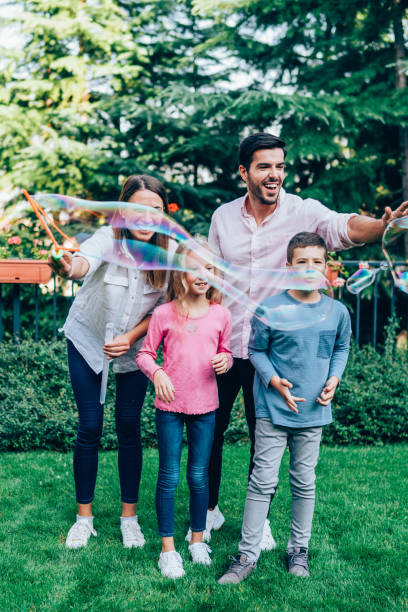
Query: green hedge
[37,408]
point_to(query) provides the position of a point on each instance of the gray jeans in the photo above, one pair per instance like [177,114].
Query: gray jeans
[270,443]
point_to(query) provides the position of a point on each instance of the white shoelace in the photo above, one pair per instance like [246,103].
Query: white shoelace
[80,531]
[131,529]
[200,551]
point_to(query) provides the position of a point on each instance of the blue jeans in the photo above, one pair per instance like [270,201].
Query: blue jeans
[200,432]
[130,393]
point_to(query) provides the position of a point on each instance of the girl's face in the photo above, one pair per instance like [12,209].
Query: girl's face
[197,285]
[134,217]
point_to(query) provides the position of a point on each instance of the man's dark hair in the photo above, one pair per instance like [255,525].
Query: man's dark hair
[302,240]
[260,140]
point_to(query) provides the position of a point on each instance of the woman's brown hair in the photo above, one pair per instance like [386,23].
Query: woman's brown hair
[134,183]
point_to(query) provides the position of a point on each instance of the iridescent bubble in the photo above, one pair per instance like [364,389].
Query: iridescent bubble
[133,253]
[394,246]
[363,278]
[360,280]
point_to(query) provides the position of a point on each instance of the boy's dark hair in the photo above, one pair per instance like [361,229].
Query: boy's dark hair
[260,140]
[302,240]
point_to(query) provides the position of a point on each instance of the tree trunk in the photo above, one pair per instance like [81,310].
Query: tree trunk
[401,83]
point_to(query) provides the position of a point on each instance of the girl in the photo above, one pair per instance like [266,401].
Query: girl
[195,330]
[126,298]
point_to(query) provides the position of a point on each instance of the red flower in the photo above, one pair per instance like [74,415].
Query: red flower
[173,207]
[14,240]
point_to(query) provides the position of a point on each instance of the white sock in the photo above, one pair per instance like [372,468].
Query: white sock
[124,519]
[89,519]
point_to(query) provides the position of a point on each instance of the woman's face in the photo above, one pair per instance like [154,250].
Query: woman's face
[134,218]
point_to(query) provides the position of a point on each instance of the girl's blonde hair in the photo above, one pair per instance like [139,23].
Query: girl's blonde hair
[178,288]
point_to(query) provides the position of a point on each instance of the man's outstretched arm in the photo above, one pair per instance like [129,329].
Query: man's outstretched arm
[367,229]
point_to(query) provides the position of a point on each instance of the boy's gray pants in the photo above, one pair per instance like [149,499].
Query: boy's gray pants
[270,443]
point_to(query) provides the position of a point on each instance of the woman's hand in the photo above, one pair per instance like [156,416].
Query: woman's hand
[62,266]
[220,363]
[163,386]
[118,347]
[73,268]
[283,386]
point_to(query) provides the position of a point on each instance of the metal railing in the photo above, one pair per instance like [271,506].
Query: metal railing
[16,308]
[353,301]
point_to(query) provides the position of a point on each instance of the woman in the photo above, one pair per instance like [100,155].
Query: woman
[124,297]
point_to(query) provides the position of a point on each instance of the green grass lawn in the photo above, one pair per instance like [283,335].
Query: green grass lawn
[358,553]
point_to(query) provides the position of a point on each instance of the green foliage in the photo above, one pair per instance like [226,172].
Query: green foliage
[371,404]
[37,408]
[104,89]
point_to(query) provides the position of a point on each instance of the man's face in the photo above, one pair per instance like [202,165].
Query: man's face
[265,176]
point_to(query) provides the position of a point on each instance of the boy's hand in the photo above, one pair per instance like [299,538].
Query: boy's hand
[118,347]
[220,363]
[282,386]
[163,386]
[328,392]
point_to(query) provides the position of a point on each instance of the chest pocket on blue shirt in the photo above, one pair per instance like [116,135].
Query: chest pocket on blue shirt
[326,344]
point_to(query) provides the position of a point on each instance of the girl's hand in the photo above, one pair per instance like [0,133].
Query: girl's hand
[62,266]
[118,347]
[283,387]
[220,363]
[163,386]
[328,392]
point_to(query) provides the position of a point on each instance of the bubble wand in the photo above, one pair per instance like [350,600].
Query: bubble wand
[57,250]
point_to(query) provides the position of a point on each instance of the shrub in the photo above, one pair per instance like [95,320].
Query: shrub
[371,405]
[37,408]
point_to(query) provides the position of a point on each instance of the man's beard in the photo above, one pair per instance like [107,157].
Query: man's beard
[255,190]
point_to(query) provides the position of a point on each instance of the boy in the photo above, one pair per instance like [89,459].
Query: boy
[297,373]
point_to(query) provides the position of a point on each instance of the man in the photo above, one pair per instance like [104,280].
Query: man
[253,231]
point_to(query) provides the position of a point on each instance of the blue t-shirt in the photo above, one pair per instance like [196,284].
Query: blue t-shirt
[305,357]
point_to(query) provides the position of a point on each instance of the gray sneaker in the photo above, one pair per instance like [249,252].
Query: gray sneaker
[297,562]
[239,569]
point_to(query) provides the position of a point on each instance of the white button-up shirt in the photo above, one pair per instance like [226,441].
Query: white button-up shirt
[235,236]
[110,294]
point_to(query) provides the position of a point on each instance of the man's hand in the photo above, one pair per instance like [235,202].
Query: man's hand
[328,392]
[163,386]
[220,363]
[118,347]
[283,387]
[389,215]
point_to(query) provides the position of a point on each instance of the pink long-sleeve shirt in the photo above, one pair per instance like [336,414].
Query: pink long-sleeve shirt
[235,236]
[189,344]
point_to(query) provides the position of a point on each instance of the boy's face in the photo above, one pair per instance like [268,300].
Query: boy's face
[310,258]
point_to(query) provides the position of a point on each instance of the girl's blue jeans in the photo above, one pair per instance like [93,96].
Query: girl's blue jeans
[200,433]
[130,393]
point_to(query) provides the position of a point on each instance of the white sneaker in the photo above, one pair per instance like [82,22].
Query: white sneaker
[79,534]
[200,553]
[171,564]
[267,542]
[132,534]
[215,519]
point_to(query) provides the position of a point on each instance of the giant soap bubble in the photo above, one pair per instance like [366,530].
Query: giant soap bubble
[395,245]
[363,278]
[226,277]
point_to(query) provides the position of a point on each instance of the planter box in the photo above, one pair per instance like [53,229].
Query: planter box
[30,271]
[333,271]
